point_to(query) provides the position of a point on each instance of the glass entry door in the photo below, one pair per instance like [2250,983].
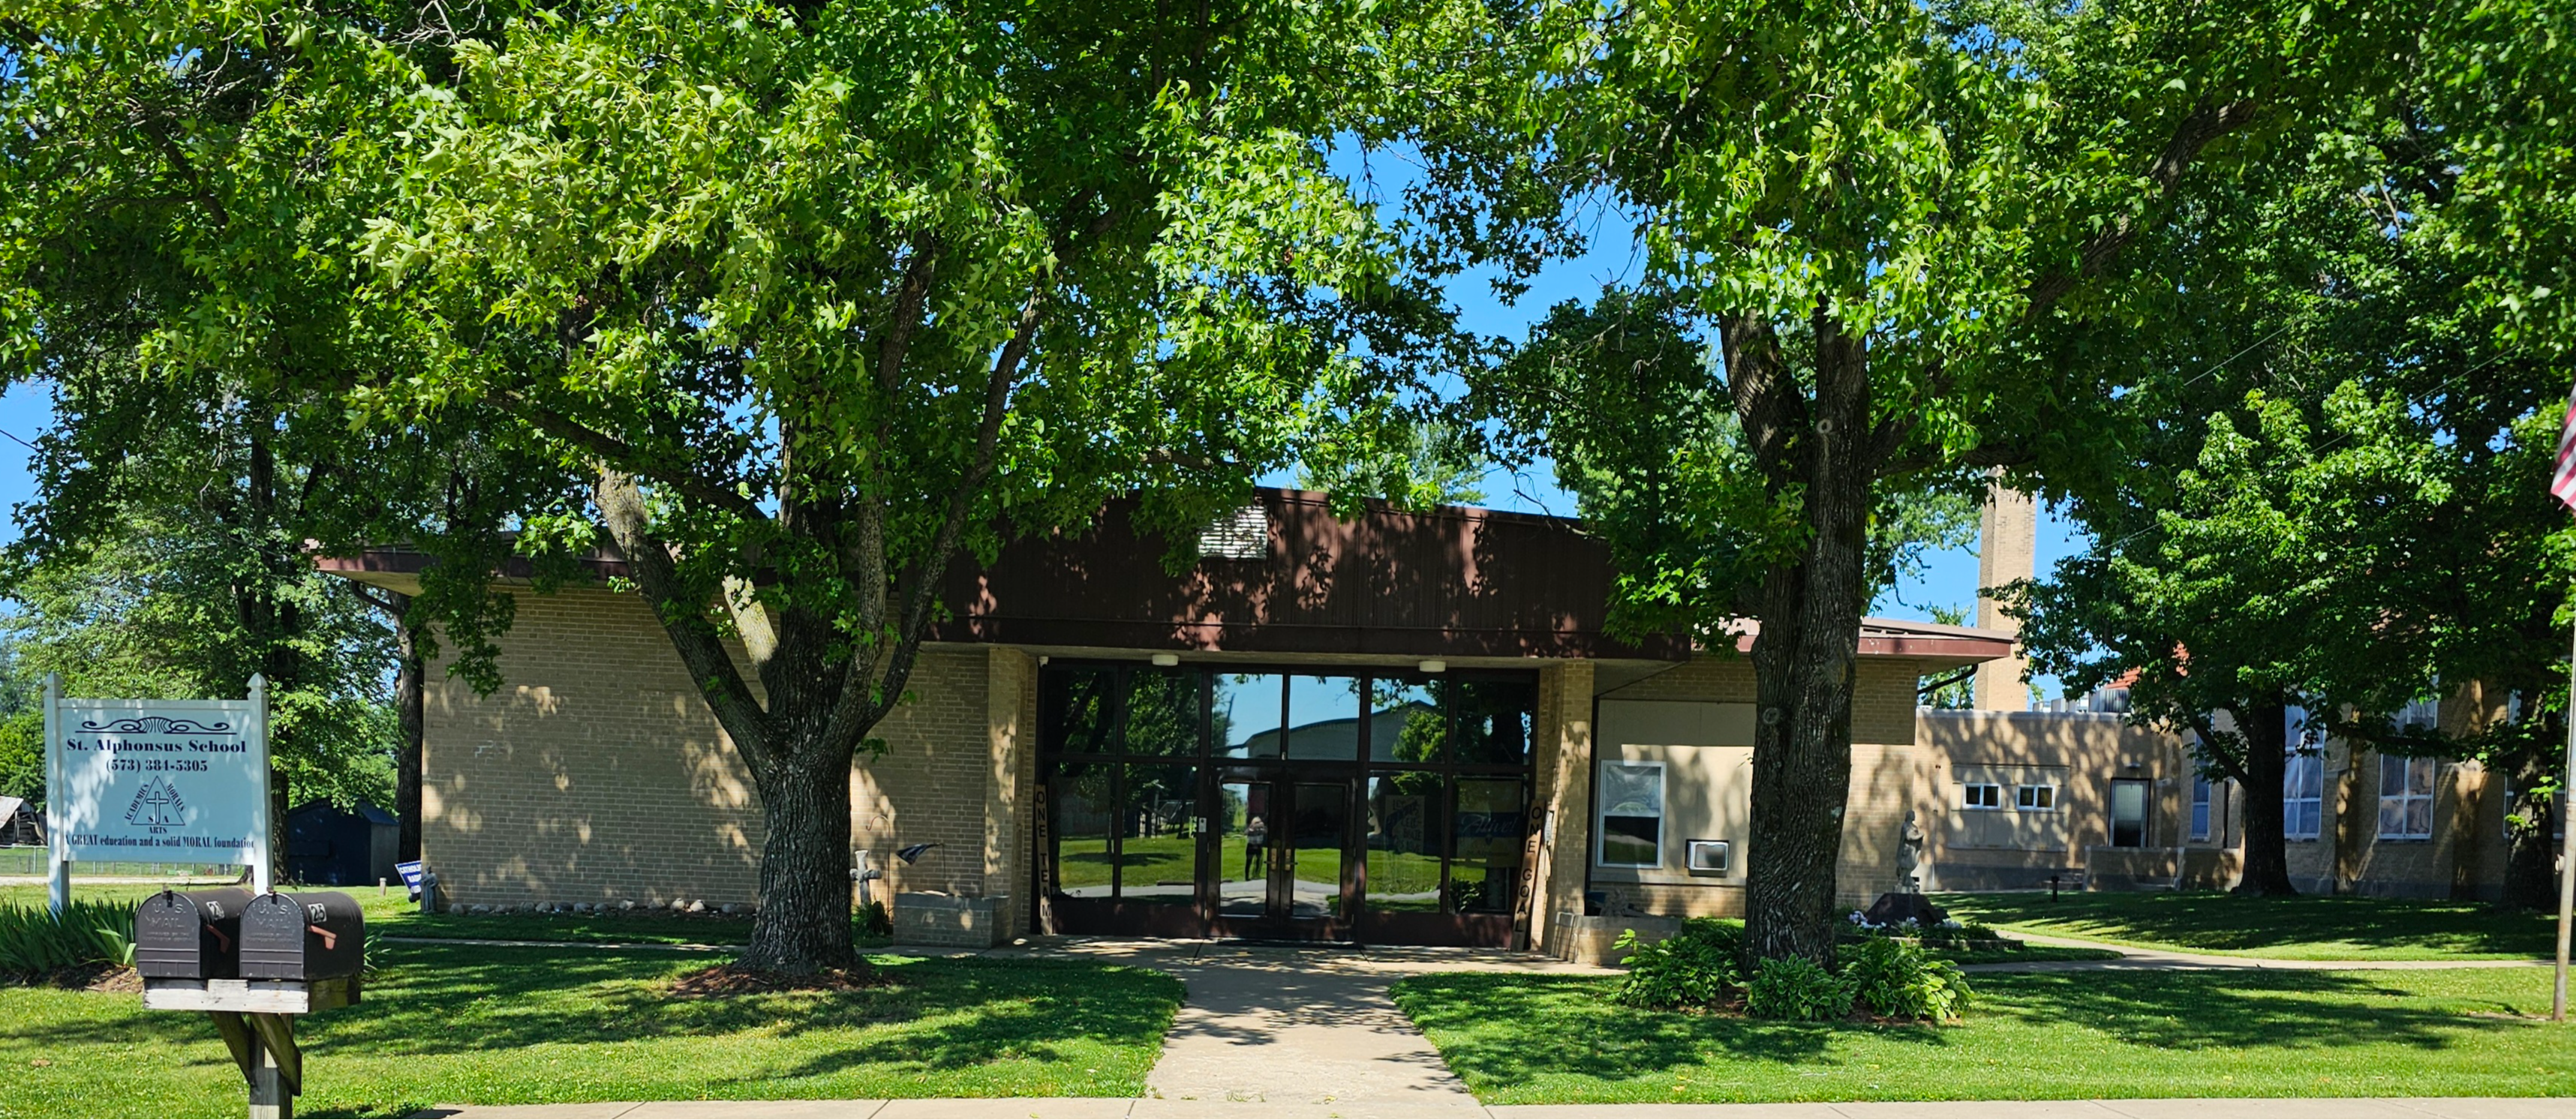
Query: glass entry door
[1283,845]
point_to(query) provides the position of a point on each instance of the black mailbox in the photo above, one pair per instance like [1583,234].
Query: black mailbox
[317,935]
[190,935]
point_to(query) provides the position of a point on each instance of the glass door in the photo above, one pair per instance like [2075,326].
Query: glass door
[1282,863]
[2128,813]
[1307,885]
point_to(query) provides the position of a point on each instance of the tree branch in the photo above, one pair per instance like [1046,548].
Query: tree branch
[701,649]
[2196,131]
[620,455]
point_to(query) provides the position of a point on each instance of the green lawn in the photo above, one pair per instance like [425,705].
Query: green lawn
[2315,928]
[465,1024]
[1521,1039]
[394,914]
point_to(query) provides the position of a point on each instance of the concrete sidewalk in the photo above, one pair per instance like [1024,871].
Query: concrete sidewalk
[1098,1108]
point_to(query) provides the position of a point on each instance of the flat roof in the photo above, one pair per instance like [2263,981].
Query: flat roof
[1286,576]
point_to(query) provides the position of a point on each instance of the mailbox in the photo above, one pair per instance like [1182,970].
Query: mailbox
[315,935]
[190,935]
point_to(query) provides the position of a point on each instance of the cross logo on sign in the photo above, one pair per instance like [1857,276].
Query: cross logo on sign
[157,806]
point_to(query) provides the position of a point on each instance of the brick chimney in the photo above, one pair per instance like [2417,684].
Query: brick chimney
[2006,536]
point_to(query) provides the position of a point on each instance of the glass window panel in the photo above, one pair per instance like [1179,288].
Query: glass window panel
[1404,832]
[1244,720]
[1083,816]
[1324,718]
[1490,722]
[1163,714]
[1405,724]
[1158,857]
[1242,821]
[1632,814]
[2419,817]
[2419,777]
[1492,834]
[1318,831]
[1077,710]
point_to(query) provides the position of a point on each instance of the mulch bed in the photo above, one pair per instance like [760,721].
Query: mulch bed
[734,980]
[99,977]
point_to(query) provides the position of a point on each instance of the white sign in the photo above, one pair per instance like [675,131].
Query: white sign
[158,781]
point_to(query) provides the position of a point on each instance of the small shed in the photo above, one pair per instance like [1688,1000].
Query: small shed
[328,845]
[20,824]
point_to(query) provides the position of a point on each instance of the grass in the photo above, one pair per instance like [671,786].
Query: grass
[2314,927]
[1522,1039]
[471,1024]
[393,914]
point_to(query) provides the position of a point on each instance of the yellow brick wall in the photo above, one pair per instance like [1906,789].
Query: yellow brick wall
[596,774]
[1890,774]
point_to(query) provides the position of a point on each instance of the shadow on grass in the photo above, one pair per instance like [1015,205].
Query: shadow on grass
[2212,920]
[443,1000]
[2242,1009]
[1504,1029]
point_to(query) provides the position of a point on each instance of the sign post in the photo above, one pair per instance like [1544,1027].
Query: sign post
[156,781]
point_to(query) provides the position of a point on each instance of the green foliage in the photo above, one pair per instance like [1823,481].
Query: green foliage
[22,756]
[35,944]
[875,921]
[1900,980]
[1796,988]
[1693,968]
[1413,463]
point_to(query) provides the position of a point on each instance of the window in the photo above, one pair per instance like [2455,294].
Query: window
[1981,795]
[1632,814]
[2405,798]
[2128,813]
[2200,807]
[2303,790]
[2036,799]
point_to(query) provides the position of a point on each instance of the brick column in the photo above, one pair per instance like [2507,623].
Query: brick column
[2006,541]
[1010,726]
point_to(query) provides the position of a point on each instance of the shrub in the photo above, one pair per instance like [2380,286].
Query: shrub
[34,944]
[1796,988]
[1692,968]
[874,921]
[1901,980]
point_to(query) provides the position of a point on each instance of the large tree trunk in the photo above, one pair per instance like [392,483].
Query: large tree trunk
[2531,854]
[2267,859]
[1805,659]
[804,922]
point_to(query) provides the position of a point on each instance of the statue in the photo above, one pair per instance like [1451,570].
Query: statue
[1909,855]
[1906,903]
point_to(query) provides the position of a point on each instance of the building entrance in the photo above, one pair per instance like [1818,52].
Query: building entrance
[1276,806]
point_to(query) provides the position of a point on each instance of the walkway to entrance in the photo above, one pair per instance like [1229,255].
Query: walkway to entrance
[1298,1032]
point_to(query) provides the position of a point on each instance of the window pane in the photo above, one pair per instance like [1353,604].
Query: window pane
[1158,857]
[1631,841]
[2392,776]
[2392,816]
[1404,831]
[1163,714]
[1485,873]
[1076,705]
[1245,719]
[1490,721]
[1082,818]
[1632,789]
[1324,718]
[2419,777]
[1404,722]
[1318,833]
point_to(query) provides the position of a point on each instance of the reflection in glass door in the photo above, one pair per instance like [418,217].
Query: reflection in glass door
[1243,851]
[1307,887]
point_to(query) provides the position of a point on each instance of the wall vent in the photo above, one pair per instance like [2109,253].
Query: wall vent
[1241,535]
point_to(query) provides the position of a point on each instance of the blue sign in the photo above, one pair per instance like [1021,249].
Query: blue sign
[411,873]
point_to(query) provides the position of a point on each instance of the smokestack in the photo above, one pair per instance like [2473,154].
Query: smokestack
[2006,536]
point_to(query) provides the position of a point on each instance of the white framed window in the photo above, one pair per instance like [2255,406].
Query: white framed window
[2405,798]
[2303,796]
[2200,802]
[1981,795]
[2035,799]
[1631,824]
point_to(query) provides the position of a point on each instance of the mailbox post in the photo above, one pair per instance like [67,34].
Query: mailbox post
[253,965]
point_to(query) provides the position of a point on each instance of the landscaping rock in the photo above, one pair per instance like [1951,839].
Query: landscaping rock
[697,907]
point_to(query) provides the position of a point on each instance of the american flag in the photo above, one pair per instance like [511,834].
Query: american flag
[2562,485]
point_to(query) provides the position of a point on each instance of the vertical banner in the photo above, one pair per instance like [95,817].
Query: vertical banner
[157,781]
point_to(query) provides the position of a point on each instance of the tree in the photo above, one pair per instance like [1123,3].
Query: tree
[2337,429]
[1412,462]
[837,297]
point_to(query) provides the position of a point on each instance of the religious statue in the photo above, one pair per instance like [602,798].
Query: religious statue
[1909,855]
